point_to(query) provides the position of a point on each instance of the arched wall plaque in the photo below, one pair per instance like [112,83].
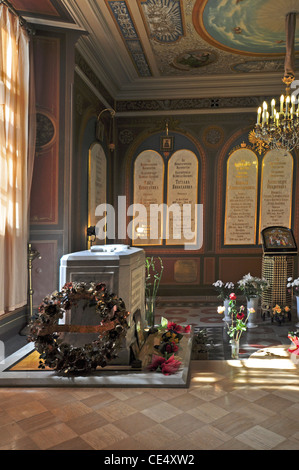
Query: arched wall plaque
[148,190]
[182,190]
[241,198]
[276,189]
[97,177]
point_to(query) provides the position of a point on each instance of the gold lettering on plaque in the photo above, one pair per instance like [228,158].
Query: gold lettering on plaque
[148,199]
[97,176]
[241,198]
[182,194]
[276,189]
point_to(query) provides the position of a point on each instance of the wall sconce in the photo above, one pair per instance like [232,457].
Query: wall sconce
[100,128]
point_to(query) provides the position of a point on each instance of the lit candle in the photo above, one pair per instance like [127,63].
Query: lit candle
[293,99]
[267,117]
[287,105]
[272,108]
[259,111]
[281,103]
[264,111]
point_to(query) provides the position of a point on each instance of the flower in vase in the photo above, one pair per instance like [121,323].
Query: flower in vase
[238,319]
[221,309]
[240,315]
[224,289]
[293,285]
[252,286]
[279,313]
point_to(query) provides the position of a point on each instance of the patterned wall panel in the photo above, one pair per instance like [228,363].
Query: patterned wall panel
[44,193]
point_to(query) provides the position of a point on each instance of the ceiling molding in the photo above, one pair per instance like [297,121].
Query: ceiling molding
[220,86]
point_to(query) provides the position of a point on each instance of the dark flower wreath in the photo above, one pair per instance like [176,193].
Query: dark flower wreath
[60,356]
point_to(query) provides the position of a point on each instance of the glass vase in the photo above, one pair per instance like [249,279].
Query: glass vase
[227,317]
[252,302]
[234,348]
[150,303]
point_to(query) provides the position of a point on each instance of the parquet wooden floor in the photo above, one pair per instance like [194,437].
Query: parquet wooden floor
[230,405]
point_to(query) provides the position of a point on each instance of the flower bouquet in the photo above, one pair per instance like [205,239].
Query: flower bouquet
[294,348]
[237,325]
[224,289]
[165,361]
[252,286]
[279,314]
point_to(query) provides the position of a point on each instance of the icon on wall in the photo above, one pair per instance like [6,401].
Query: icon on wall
[166,143]
[278,239]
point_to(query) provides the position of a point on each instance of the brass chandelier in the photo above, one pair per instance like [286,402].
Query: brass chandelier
[279,128]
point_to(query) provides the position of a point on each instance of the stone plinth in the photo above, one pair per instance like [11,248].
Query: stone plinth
[122,269]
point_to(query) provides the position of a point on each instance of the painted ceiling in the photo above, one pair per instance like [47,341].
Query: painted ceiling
[160,47]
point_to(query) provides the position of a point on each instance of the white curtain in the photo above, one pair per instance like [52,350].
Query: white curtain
[14,102]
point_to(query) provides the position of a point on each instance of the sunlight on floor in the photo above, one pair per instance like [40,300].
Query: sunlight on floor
[276,357]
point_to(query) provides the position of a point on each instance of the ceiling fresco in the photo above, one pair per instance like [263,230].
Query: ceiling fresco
[207,36]
[140,45]
[253,27]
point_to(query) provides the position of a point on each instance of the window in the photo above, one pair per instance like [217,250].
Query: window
[14,75]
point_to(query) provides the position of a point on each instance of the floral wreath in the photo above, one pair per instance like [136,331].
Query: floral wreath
[61,356]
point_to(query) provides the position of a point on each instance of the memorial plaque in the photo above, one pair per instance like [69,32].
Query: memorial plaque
[96,182]
[276,189]
[148,193]
[241,198]
[182,195]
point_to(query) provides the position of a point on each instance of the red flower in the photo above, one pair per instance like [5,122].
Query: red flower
[174,327]
[240,316]
[171,347]
[187,329]
[170,366]
[157,361]
[232,296]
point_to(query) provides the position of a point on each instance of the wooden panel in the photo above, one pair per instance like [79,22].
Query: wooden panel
[233,269]
[181,271]
[44,192]
[185,271]
[44,277]
[46,67]
[209,270]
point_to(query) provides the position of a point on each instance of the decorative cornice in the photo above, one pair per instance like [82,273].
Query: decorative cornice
[244,102]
